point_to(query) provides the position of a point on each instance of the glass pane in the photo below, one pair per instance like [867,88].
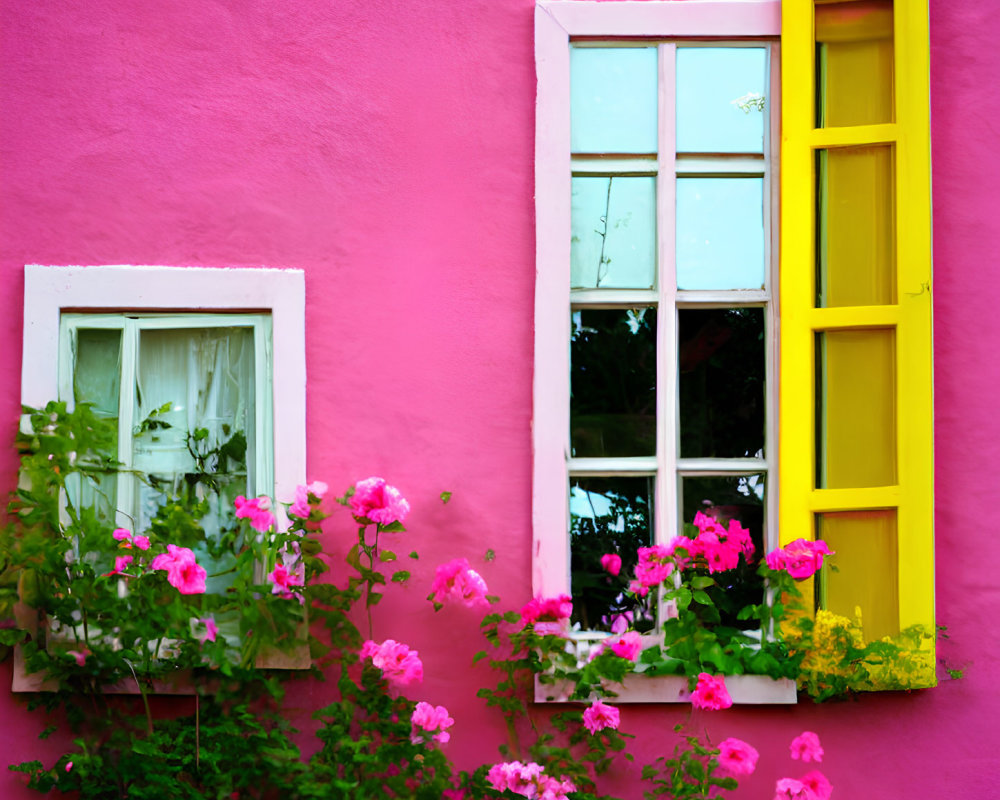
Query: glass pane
[613,104]
[608,515]
[97,380]
[854,55]
[867,569]
[195,404]
[727,497]
[721,366]
[720,233]
[856,408]
[613,382]
[855,251]
[721,99]
[613,241]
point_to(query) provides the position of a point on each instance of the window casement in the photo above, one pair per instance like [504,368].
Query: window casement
[626,153]
[185,359]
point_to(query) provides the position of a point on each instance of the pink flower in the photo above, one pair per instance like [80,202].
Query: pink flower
[283,580]
[791,789]
[80,656]
[817,783]
[125,536]
[183,572]
[711,693]
[399,664]
[737,757]
[547,609]
[211,629]
[528,780]
[654,566]
[807,747]
[257,510]
[69,765]
[600,716]
[612,563]
[627,646]
[456,580]
[300,508]
[430,719]
[121,563]
[376,501]
[801,558]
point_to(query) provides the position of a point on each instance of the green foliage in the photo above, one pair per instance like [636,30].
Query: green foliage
[691,772]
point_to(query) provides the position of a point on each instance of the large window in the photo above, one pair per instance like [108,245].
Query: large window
[664,382]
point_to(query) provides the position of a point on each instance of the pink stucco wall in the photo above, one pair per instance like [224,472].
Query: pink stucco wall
[386,149]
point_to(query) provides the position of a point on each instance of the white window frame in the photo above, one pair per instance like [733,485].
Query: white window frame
[556,22]
[51,290]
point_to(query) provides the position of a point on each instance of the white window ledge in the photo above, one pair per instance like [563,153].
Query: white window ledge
[638,688]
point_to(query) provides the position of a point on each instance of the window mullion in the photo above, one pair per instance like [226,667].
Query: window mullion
[127,512]
[665,505]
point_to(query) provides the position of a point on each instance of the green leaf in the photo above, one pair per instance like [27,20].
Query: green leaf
[702,597]
[372,599]
[445,497]
[490,555]
[702,582]
[414,555]
[386,555]
[400,576]
[392,527]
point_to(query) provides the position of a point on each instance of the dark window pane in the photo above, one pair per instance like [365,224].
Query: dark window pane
[608,515]
[613,382]
[721,382]
[724,497]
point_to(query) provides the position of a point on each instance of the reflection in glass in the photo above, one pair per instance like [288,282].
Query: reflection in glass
[856,404]
[727,497]
[613,241]
[854,53]
[720,233]
[867,568]
[721,99]
[613,105]
[721,382]
[97,380]
[855,226]
[613,382]
[608,515]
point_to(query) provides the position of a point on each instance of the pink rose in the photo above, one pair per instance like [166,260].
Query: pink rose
[283,581]
[737,757]
[807,747]
[547,609]
[399,664]
[456,580]
[430,719]
[611,563]
[627,646]
[791,789]
[818,784]
[300,508]
[711,693]
[69,765]
[801,558]
[376,501]
[600,716]
[257,510]
[142,542]
[80,656]
[122,535]
[183,572]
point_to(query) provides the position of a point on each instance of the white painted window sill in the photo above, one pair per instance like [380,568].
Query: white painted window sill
[638,688]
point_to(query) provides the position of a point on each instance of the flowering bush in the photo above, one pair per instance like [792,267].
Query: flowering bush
[124,607]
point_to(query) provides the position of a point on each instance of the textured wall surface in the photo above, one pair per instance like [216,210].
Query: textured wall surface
[386,148]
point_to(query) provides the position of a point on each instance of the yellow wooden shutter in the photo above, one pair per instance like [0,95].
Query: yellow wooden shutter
[856,418]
